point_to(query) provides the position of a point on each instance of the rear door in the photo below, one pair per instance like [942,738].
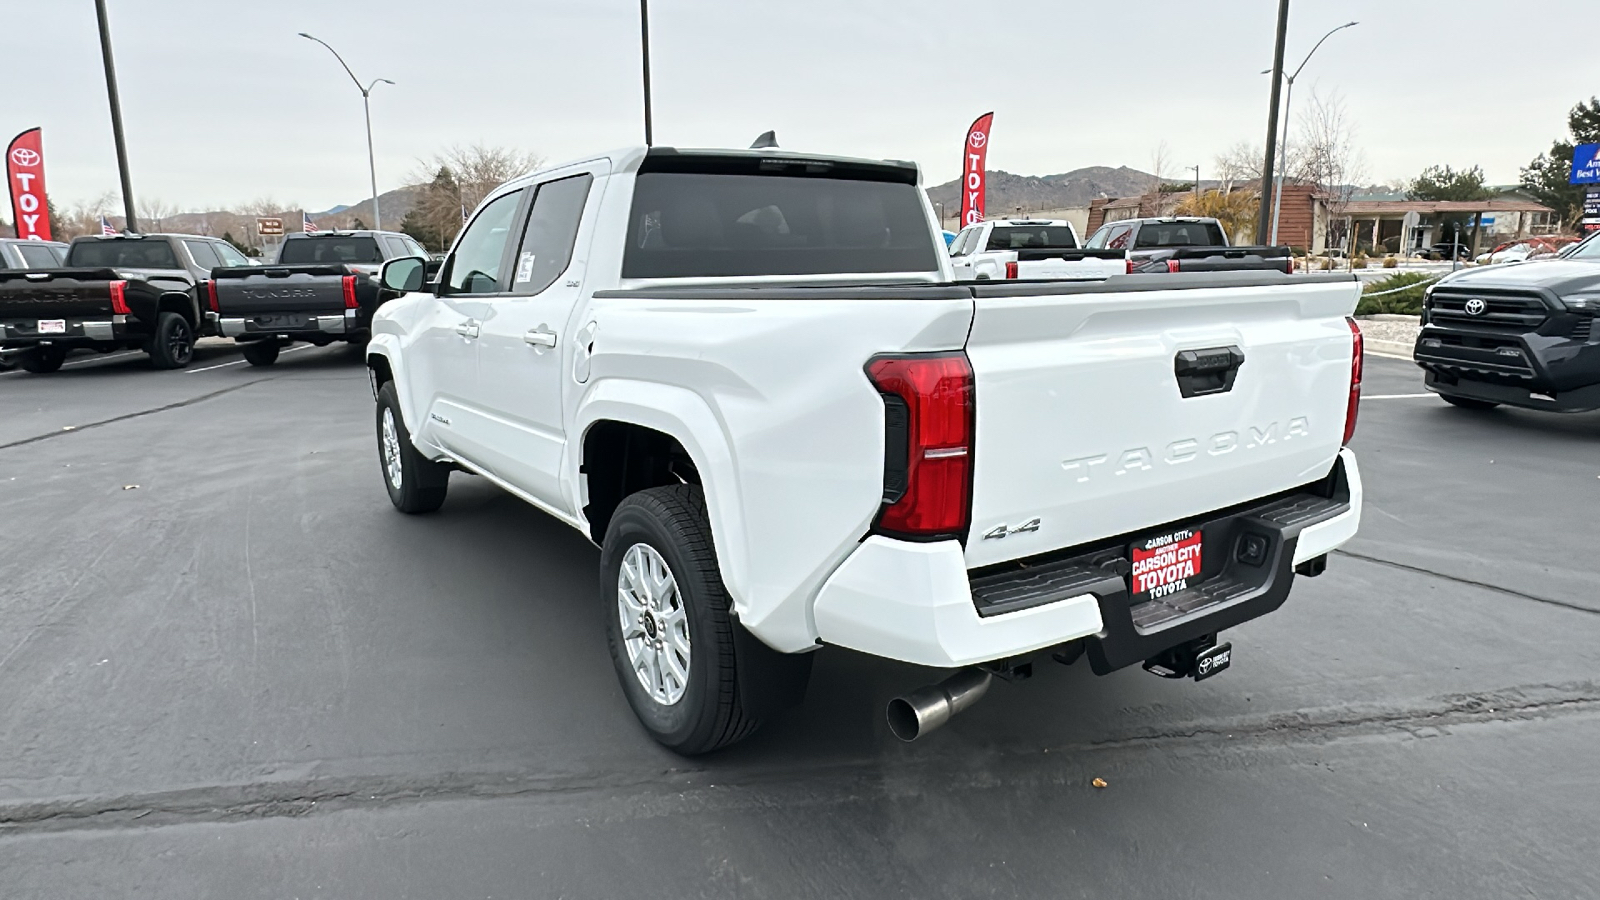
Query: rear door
[528,337]
[1084,429]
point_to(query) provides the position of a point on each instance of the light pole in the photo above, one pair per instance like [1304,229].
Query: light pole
[366,93]
[131,223]
[1277,197]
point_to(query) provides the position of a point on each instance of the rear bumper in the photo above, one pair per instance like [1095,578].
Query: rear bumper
[78,332]
[288,323]
[918,603]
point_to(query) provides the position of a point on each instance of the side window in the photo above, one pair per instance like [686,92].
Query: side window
[474,267]
[230,256]
[394,247]
[958,247]
[546,249]
[966,239]
[35,257]
[204,256]
[414,249]
[1119,237]
[1097,241]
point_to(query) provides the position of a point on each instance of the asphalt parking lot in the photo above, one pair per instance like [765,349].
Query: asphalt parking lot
[229,669]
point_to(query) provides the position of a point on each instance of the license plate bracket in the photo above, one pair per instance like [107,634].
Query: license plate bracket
[273,321]
[1165,564]
[52,326]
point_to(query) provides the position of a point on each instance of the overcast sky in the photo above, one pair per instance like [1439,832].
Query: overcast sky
[224,104]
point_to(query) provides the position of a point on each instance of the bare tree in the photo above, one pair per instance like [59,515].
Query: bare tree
[1239,166]
[1328,159]
[454,181]
[154,212]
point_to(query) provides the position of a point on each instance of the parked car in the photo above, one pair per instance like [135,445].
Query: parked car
[1029,249]
[17,254]
[112,293]
[321,290]
[746,376]
[1522,335]
[1444,251]
[1185,244]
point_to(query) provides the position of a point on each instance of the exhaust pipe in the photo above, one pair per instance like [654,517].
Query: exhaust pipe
[925,709]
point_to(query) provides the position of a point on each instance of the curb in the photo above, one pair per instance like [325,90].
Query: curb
[1389,349]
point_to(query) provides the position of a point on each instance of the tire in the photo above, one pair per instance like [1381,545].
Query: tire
[43,360]
[416,484]
[172,347]
[698,710]
[261,353]
[1467,402]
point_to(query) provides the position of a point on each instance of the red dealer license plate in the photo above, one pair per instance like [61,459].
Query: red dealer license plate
[1165,565]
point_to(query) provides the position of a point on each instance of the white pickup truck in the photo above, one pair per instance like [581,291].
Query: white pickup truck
[1030,250]
[749,377]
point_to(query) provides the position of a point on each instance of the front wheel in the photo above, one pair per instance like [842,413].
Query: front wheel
[1467,402]
[668,622]
[416,484]
[172,346]
[261,353]
[43,360]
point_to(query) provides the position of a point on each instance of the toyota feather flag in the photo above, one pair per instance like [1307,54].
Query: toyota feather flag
[973,174]
[25,175]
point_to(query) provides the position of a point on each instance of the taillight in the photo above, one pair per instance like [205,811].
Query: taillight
[1172,265]
[1130,265]
[211,296]
[1291,265]
[119,298]
[1011,270]
[930,408]
[1357,356]
[350,293]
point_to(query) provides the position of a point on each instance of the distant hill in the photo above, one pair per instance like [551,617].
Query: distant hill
[1006,191]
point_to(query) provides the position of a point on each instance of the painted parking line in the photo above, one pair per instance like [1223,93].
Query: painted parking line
[241,362]
[1395,396]
[80,362]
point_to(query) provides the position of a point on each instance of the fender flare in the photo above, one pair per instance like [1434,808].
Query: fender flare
[690,420]
[388,347]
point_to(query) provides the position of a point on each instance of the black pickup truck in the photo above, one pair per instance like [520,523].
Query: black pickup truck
[112,293]
[1522,334]
[1186,244]
[322,290]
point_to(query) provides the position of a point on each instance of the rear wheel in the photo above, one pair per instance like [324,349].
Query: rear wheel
[416,484]
[172,347]
[261,353]
[668,622]
[43,360]
[1467,402]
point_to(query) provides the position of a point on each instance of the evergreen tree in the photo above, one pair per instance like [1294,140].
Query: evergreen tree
[1445,183]
[1546,178]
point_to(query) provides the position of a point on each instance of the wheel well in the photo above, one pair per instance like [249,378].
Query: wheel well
[378,365]
[620,458]
[182,304]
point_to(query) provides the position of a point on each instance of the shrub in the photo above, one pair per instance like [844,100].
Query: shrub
[1360,262]
[1405,302]
[1390,262]
[1325,264]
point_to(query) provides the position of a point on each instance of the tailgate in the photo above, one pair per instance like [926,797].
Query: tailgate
[56,293]
[251,291]
[1083,426]
[1232,259]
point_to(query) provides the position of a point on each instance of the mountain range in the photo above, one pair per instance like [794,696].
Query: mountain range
[1005,191]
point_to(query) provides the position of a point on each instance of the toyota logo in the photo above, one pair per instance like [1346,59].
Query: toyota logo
[1205,665]
[1476,307]
[23,156]
[977,139]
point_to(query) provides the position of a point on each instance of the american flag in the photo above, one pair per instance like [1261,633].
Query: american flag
[306,225]
[105,227]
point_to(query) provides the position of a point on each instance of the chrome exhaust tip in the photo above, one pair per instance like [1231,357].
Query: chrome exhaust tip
[928,708]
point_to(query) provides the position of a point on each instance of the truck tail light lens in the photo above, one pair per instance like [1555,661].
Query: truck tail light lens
[1172,265]
[1291,265]
[1011,270]
[929,412]
[119,298]
[1130,265]
[350,293]
[211,296]
[1358,352]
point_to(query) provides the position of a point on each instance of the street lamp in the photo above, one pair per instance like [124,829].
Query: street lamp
[366,93]
[1277,197]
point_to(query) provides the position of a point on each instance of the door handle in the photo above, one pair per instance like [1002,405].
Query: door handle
[540,338]
[467,329]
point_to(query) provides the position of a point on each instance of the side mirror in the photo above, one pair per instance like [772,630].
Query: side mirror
[404,275]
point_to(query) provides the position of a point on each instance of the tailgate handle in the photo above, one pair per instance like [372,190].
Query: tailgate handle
[1207,371]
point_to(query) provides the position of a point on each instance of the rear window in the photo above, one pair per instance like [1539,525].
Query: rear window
[330,250]
[123,253]
[706,225]
[1032,237]
[38,256]
[1178,234]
